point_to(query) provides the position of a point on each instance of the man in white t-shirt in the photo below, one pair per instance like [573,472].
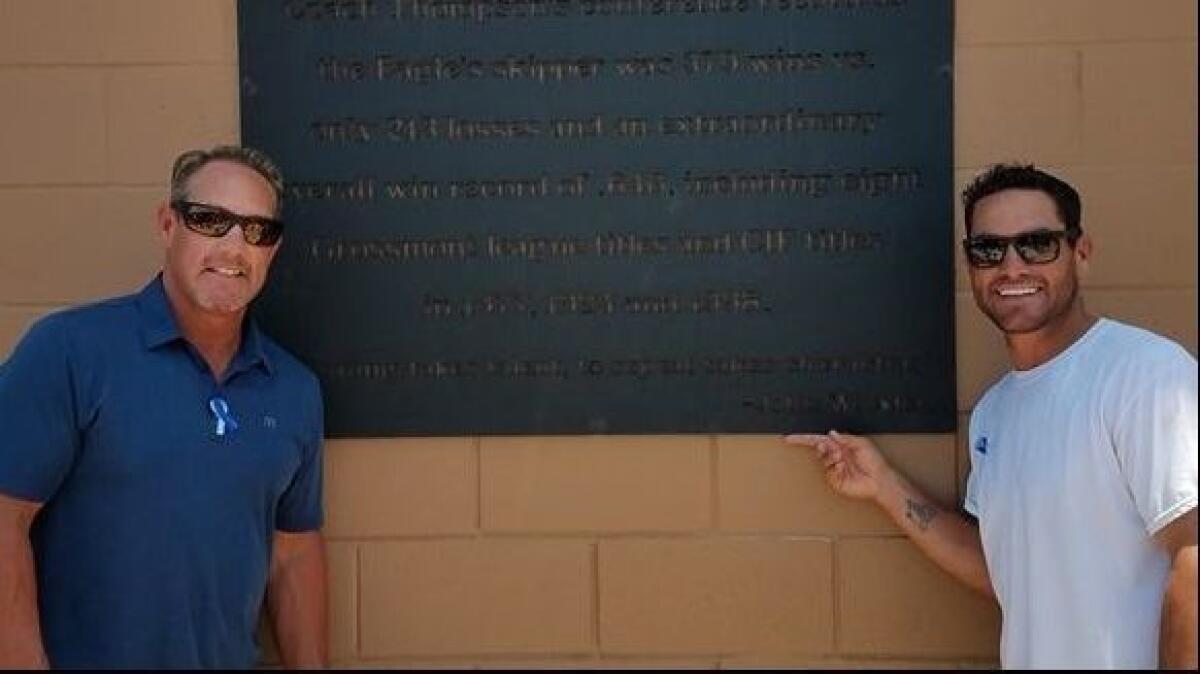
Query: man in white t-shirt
[1083,457]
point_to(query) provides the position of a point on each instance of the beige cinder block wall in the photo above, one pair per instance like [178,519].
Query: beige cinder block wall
[704,551]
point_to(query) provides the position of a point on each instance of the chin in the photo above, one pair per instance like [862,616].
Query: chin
[1017,324]
[1020,328]
[225,298]
[223,305]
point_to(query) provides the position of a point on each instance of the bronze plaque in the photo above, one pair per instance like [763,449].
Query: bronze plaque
[611,216]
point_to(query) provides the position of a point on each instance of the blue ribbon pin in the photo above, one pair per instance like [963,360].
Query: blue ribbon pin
[220,410]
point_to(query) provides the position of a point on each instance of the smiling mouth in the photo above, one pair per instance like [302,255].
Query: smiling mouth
[1017,291]
[227,272]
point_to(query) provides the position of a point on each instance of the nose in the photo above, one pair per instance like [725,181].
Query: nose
[1012,261]
[233,238]
[231,247]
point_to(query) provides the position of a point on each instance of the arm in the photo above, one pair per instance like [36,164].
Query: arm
[855,468]
[20,632]
[296,599]
[1177,647]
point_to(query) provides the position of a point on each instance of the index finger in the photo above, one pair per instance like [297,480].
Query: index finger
[810,439]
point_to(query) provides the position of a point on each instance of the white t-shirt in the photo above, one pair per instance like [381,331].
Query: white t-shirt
[1074,465]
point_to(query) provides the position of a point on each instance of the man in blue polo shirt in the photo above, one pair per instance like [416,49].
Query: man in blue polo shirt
[160,458]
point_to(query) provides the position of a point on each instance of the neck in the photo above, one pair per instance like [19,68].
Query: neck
[215,336]
[1029,350]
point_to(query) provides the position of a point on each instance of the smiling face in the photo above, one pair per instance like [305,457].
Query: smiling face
[217,275]
[1019,297]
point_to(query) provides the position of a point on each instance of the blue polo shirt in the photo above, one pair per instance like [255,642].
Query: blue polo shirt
[153,546]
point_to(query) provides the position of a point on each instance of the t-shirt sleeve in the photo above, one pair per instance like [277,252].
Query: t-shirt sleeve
[1155,439]
[39,436]
[300,507]
[971,498]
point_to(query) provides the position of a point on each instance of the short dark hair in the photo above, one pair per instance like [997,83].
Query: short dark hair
[1002,177]
[191,161]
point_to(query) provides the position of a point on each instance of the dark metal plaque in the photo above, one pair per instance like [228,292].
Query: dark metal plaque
[611,216]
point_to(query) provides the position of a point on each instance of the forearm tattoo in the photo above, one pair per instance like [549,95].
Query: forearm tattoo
[920,514]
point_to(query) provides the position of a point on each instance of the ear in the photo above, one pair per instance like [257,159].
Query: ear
[1083,253]
[164,220]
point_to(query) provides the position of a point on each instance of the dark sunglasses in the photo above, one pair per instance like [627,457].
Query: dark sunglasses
[1041,247]
[216,222]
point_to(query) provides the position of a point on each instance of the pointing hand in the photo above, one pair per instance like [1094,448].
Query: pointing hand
[853,465]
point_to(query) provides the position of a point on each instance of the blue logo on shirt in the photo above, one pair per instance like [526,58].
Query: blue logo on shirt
[224,416]
[981,445]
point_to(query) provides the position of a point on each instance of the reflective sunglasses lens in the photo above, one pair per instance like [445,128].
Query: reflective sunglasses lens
[985,252]
[1038,248]
[207,221]
[260,232]
[253,231]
